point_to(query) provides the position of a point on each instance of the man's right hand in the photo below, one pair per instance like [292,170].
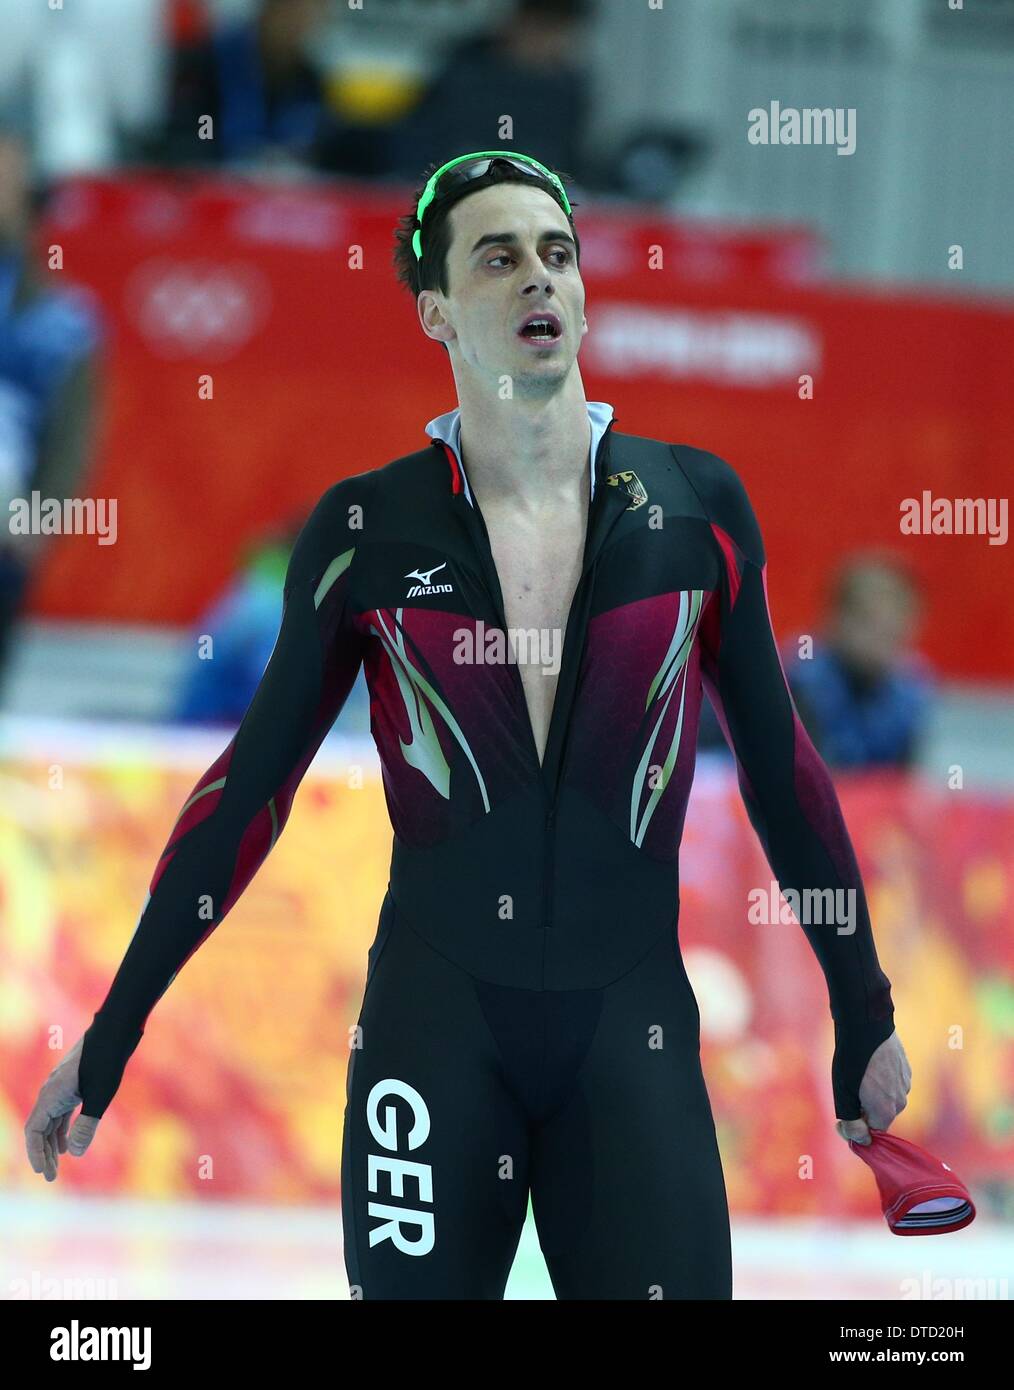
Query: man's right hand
[46,1127]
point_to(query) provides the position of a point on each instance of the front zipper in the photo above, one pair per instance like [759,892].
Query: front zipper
[547,886]
[547,895]
[476,523]
[549,797]
[495,594]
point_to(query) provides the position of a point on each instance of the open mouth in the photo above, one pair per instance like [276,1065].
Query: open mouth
[541,328]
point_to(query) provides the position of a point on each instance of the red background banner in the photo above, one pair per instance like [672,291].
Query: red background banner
[319,370]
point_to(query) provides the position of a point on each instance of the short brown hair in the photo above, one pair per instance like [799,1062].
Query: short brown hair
[430,273]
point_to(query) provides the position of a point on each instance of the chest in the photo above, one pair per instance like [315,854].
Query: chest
[538,563]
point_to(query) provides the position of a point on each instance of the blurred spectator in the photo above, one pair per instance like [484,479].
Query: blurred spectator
[254,78]
[92,73]
[863,695]
[532,68]
[48,377]
[654,164]
[243,625]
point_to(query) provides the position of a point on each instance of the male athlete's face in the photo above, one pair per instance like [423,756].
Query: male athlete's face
[511,257]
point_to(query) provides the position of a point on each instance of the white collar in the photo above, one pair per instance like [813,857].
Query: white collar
[447,427]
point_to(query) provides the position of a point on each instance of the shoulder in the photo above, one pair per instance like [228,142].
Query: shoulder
[365,506]
[332,507]
[723,496]
[331,528]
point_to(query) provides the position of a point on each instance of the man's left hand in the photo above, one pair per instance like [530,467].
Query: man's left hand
[882,1094]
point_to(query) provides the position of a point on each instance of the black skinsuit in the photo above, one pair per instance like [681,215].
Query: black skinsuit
[527,1022]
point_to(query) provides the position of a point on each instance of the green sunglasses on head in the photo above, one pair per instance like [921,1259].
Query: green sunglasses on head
[483,159]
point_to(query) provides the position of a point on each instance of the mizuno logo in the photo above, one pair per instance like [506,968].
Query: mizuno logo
[425,576]
[425,586]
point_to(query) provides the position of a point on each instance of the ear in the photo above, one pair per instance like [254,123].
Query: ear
[434,325]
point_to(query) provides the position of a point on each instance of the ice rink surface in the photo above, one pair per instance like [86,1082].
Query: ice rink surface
[56,1246]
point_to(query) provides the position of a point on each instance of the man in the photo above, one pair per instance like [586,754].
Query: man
[252,76]
[534,62]
[527,1023]
[863,694]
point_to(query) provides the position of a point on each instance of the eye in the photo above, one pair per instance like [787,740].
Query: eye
[563,251]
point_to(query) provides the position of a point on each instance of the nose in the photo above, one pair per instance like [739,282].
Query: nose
[538,284]
[536,278]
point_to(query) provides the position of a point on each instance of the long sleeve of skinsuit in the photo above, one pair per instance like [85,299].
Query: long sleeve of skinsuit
[238,808]
[788,792]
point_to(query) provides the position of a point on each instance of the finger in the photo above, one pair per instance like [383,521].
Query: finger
[880,1105]
[35,1129]
[51,1146]
[856,1131]
[880,1112]
[81,1135]
[50,1168]
[38,1129]
[61,1132]
[34,1146]
[895,1110]
[39,1126]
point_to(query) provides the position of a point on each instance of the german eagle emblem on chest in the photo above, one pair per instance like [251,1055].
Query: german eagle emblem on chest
[631,485]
